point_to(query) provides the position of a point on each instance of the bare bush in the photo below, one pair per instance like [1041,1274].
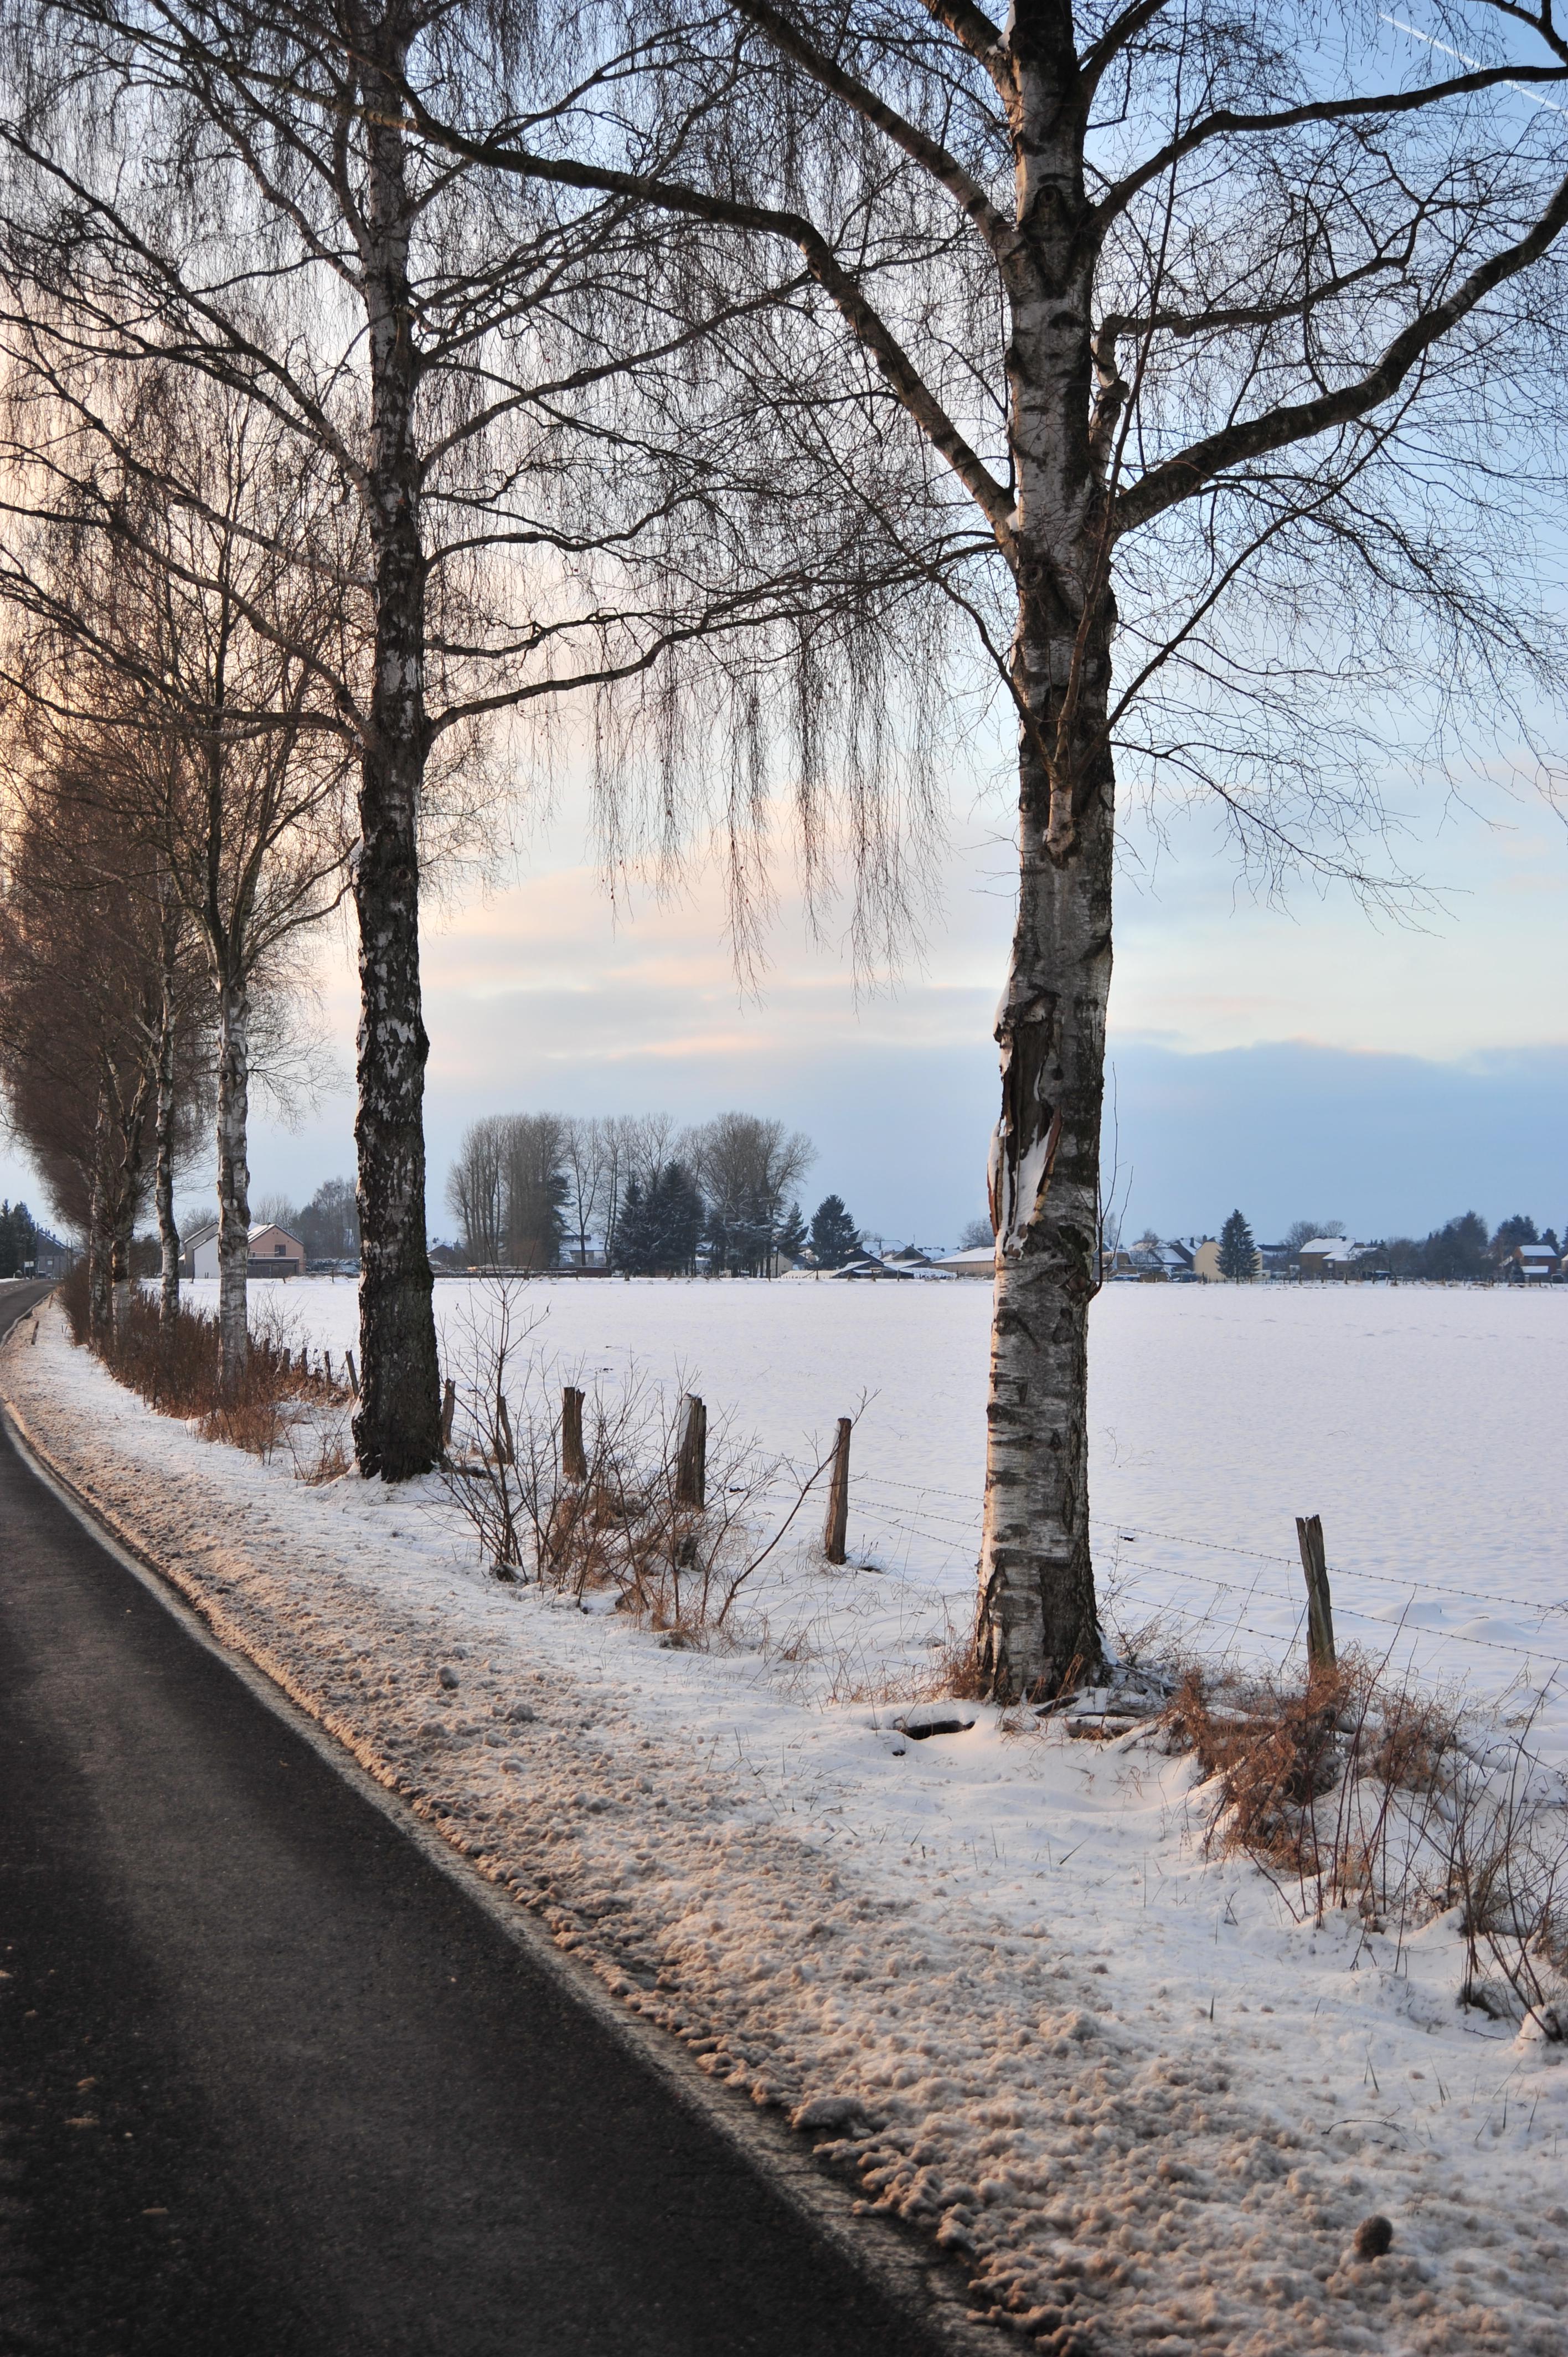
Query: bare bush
[617,1523]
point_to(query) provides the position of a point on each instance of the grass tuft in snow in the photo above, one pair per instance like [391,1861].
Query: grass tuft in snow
[1367,1795]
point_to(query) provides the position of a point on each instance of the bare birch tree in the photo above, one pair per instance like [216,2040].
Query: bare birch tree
[476,1191]
[1233,347]
[584,1155]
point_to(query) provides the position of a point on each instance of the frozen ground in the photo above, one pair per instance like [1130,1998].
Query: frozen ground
[996,1973]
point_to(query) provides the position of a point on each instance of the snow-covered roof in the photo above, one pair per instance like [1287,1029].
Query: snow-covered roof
[971,1257]
[1323,1244]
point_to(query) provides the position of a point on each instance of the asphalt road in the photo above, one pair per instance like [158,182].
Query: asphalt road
[273,2085]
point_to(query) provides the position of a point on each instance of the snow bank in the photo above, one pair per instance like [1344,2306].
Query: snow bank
[992,1972]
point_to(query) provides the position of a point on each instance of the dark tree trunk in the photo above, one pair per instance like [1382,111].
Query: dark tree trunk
[99,1294]
[397,1431]
[233,1183]
[163,1184]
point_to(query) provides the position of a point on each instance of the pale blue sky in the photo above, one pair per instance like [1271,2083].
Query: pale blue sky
[1300,1060]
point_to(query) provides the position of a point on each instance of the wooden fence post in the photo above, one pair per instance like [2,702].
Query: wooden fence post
[837,1528]
[353,1376]
[506,1449]
[1319,1613]
[691,1464]
[448,1410]
[574,1456]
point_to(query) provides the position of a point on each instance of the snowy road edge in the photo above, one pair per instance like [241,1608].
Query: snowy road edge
[919,2278]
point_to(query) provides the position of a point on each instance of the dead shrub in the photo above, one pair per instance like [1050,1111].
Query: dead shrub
[1275,1749]
[1355,1793]
[618,1523]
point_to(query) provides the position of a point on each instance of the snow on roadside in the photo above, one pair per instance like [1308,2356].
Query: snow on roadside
[992,1972]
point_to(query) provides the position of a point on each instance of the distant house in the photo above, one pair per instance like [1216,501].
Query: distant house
[867,1269]
[1338,1257]
[1532,1265]
[976,1259]
[271,1252]
[194,1241]
[1323,1257]
[590,1257]
[1168,1264]
[51,1259]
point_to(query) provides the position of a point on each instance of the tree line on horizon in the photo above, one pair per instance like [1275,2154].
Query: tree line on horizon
[654,1197]
[1462,1249]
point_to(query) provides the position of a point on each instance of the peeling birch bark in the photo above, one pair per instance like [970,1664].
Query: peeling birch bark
[1038,1619]
[1037,1626]
[233,1181]
[397,1430]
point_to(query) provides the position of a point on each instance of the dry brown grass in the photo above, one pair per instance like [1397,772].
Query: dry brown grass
[175,1367]
[1275,1751]
[1359,1792]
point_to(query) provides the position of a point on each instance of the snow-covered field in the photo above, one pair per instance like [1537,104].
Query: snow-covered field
[997,1974]
[1422,1423]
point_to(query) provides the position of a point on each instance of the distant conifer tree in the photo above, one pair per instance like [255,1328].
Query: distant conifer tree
[1237,1253]
[793,1235]
[835,1236]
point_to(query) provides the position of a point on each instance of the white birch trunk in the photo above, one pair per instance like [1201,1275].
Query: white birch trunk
[233,1181]
[1038,1624]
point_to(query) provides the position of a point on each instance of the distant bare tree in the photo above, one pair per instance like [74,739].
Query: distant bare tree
[507,1189]
[102,1049]
[586,1152]
[746,1168]
[475,1192]
[535,1188]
